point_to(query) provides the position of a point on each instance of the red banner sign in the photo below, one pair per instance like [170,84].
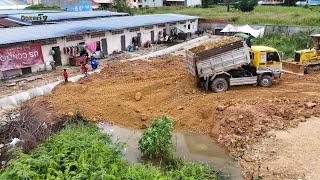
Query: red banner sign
[17,57]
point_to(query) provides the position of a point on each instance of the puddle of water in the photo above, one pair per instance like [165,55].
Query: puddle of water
[190,147]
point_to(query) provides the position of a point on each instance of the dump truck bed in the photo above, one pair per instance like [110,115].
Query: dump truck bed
[220,59]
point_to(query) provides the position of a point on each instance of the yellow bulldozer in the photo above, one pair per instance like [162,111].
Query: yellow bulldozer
[305,61]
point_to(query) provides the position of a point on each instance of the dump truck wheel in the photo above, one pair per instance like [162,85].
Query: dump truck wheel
[219,85]
[265,81]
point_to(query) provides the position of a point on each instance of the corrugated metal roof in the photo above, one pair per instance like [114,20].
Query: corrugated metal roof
[11,2]
[7,23]
[60,16]
[24,11]
[38,32]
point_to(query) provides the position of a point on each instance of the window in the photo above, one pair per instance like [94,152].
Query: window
[48,41]
[74,38]
[148,27]
[251,55]
[134,29]
[98,34]
[117,32]
[272,57]
[189,27]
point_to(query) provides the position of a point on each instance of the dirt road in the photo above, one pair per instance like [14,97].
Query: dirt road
[130,93]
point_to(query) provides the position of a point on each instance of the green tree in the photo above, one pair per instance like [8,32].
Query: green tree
[246,5]
[290,2]
[122,6]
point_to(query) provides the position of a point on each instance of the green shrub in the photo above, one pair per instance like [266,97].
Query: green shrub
[287,44]
[43,7]
[246,5]
[83,152]
[194,170]
[80,152]
[156,140]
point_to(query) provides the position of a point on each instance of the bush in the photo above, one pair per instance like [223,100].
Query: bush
[156,140]
[80,152]
[287,44]
[43,7]
[290,2]
[122,6]
[246,5]
[83,152]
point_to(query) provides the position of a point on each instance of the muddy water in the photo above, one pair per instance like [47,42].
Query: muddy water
[191,147]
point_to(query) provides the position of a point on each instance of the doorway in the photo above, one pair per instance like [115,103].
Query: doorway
[123,43]
[139,39]
[104,46]
[152,37]
[57,56]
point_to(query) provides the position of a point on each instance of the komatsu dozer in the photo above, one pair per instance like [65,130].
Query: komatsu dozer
[305,61]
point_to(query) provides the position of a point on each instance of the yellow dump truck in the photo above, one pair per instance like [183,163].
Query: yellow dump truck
[305,61]
[234,63]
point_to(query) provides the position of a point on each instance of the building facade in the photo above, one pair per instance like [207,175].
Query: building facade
[104,35]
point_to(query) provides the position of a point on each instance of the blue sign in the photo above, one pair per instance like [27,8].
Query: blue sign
[82,5]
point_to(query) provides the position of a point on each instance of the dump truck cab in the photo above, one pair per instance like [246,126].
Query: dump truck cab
[266,60]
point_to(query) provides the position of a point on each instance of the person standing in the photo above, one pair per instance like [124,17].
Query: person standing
[65,75]
[84,70]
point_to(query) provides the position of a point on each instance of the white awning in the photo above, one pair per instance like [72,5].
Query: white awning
[244,29]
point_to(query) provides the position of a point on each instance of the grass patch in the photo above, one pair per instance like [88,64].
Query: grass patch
[287,44]
[43,7]
[260,15]
[83,152]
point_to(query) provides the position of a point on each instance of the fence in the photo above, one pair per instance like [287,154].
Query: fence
[284,29]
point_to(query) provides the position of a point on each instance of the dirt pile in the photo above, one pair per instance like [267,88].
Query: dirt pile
[214,43]
[239,127]
[130,93]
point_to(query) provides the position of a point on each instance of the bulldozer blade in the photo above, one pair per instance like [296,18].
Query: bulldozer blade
[293,68]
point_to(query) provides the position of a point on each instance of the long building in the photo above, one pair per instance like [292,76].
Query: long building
[32,48]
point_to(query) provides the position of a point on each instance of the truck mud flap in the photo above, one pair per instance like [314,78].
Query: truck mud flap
[293,68]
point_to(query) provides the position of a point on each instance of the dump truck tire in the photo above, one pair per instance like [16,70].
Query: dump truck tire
[219,85]
[265,81]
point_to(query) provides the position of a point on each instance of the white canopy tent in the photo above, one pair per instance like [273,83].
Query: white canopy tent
[244,29]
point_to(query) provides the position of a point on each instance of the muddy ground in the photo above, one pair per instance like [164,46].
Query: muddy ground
[130,93]
[23,83]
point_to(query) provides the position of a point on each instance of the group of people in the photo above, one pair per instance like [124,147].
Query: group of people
[84,69]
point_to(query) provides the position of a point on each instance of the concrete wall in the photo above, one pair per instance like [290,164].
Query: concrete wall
[152,3]
[286,29]
[192,3]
